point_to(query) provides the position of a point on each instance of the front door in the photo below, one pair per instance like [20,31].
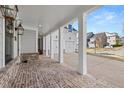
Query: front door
[8,41]
[8,47]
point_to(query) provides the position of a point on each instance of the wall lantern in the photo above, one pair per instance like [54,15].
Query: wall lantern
[9,11]
[20,29]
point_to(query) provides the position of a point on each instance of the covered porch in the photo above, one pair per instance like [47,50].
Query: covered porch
[48,70]
[40,22]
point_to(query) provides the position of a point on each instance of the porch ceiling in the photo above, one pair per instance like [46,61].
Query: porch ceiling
[49,16]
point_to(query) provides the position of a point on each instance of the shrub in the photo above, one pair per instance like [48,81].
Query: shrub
[117,45]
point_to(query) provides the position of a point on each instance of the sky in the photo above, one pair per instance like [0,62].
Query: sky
[108,18]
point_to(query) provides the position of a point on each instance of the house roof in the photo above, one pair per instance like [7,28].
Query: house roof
[89,35]
[100,34]
[68,28]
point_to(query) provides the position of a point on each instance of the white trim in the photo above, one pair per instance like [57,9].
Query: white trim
[47,54]
[51,46]
[15,44]
[3,42]
[43,44]
[36,40]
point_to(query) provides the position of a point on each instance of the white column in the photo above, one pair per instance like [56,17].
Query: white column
[51,46]
[20,44]
[61,45]
[2,42]
[82,45]
[46,45]
[36,40]
[15,44]
[19,49]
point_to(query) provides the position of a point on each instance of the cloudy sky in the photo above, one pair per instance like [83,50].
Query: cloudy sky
[106,19]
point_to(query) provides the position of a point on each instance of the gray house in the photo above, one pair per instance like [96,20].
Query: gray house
[101,40]
[98,40]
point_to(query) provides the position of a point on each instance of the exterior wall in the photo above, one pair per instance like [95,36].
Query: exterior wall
[55,41]
[2,43]
[28,41]
[70,41]
[101,40]
[111,40]
[122,40]
[40,43]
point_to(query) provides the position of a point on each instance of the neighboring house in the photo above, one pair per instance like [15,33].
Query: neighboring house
[122,40]
[112,38]
[90,40]
[91,43]
[98,40]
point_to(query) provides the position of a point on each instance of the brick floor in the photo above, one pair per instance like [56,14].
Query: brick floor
[45,73]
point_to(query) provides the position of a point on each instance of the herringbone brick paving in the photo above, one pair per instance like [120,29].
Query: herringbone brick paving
[45,73]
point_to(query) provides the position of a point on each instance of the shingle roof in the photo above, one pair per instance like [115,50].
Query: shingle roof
[89,35]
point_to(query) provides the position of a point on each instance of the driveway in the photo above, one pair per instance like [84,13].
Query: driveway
[101,68]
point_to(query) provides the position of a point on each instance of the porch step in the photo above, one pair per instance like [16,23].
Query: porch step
[29,56]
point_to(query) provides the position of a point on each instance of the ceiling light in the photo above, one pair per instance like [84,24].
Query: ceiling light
[40,25]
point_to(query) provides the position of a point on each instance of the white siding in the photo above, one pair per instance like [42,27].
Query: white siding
[28,41]
[55,41]
[111,40]
[69,47]
[70,41]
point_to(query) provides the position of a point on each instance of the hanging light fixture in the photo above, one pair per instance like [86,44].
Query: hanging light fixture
[9,12]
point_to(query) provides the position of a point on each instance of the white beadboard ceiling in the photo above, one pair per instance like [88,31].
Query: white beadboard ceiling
[50,16]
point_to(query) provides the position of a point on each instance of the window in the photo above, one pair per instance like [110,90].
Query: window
[56,37]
